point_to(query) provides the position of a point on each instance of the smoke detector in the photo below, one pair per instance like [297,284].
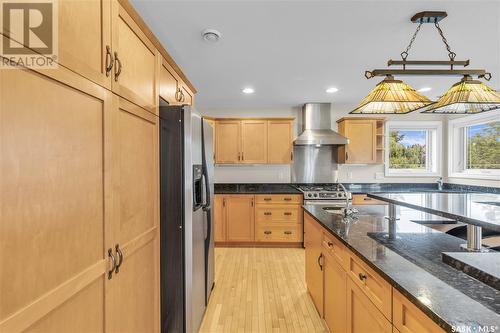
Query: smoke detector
[211,35]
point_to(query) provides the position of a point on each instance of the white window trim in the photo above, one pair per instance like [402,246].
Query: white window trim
[436,152]
[456,146]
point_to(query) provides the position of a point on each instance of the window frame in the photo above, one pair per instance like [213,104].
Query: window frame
[434,144]
[457,146]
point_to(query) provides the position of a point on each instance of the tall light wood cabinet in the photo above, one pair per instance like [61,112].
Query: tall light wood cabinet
[134,72]
[227,141]
[279,141]
[365,140]
[253,141]
[314,261]
[89,53]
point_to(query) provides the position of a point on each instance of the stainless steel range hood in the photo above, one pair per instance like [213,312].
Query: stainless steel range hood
[316,127]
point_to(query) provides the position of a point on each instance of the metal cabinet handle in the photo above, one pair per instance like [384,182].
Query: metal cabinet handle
[287,232]
[118,67]
[178,95]
[109,60]
[330,244]
[267,199]
[346,156]
[252,202]
[287,199]
[291,156]
[367,199]
[319,261]
[267,232]
[362,276]
[242,156]
[224,202]
[113,263]
[183,98]
[120,258]
[287,213]
[268,213]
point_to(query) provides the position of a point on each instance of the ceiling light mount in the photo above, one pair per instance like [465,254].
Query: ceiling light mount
[428,17]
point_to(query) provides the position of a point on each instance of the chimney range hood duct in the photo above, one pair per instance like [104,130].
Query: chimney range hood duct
[316,127]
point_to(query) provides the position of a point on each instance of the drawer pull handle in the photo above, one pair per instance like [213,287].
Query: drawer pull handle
[330,244]
[367,199]
[267,199]
[362,276]
[287,232]
[268,213]
[287,199]
[113,263]
[267,232]
[319,261]
[287,213]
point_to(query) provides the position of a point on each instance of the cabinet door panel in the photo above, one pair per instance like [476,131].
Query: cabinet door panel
[335,295]
[409,319]
[169,84]
[137,55]
[279,141]
[219,219]
[187,95]
[314,272]
[240,217]
[53,148]
[362,142]
[253,141]
[362,315]
[85,53]
[227,141]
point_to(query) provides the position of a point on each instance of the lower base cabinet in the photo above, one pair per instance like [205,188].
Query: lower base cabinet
[335,292]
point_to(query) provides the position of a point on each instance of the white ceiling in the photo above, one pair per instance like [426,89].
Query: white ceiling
[291,51]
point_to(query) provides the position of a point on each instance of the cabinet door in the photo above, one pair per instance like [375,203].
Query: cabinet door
[362,315]
[240,218]
[362,141]
[409,319]
[54,209]
[279,141]
[314,261]
[219,219]
[227,141]
[134,296]
[335,296]
[86,53]
[169,84]
[187,95]
[254,141]
[135,61]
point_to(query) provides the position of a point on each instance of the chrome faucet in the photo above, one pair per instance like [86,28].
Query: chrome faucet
[348,211]
[440,183]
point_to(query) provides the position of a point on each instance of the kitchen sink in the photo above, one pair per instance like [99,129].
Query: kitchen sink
[334,210]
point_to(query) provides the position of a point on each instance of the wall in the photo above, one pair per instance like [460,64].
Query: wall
[347,173]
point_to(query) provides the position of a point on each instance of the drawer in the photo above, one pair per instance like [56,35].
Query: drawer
[363,199]
[409,319]
[278,213]
[378,290]
[278,198]
[273,233]
[336,250]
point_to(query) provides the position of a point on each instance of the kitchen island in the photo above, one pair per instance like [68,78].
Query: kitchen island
[411,264]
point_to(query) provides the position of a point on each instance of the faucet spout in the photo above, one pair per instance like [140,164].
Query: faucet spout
[439,182]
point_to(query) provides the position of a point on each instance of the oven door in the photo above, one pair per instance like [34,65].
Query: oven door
[332,203]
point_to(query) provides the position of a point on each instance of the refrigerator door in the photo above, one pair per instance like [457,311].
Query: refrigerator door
[208,173]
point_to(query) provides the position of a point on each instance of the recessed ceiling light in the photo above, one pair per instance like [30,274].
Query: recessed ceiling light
[248,90]
[331,90]
[211,35]
[424,89]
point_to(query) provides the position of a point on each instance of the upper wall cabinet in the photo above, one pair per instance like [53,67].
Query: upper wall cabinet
[253,141]
[134,61]
[89,53]
[366,140]
[169,84]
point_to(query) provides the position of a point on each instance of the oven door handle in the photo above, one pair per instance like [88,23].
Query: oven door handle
[334,203]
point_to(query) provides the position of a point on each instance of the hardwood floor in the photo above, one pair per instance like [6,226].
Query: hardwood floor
[260,290]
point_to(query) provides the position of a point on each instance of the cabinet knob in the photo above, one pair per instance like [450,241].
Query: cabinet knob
[362,276]
[330,244]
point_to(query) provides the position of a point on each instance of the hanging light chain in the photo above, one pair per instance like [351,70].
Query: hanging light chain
[404,54]
[451,54]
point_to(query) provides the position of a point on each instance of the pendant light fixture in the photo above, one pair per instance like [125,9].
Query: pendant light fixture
[395,96]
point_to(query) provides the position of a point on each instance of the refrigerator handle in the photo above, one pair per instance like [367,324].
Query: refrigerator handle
[204,170]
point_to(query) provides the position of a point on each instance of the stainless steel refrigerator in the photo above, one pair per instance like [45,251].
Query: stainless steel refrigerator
[186,218]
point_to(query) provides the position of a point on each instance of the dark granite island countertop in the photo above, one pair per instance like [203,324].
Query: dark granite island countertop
[480,209]
[412,264]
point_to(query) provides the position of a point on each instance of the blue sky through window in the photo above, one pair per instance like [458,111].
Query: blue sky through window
[412,137]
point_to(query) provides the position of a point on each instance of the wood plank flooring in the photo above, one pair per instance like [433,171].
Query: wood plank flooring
[260,290]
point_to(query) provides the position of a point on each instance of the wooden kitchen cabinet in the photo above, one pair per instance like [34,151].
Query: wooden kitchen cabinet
[363,199]
[314,261]
[362,315]
[219,219]
[335,305]
[253,141]
[169,84]
[227,141]
[239,218]
[407,318]
[365,140]
[134,70]
[279,141]
[187,96]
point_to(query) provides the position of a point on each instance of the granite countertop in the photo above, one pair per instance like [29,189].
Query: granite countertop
[412,264]
[255,189]
[481,209]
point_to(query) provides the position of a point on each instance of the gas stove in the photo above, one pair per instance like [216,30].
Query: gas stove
[323,193]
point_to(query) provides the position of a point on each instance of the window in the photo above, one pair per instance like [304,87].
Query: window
[474,143]
[413,148]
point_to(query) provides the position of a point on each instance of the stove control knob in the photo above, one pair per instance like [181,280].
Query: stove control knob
[315,195]
[309,195]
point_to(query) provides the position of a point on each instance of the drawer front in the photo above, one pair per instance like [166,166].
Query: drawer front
[373,285]
[278,198]
[363,199]
[283,213]
[336,250]
[409,319]
[273,233]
